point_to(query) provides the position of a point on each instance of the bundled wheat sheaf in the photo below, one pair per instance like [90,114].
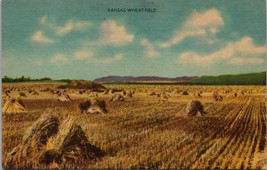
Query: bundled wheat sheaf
[13,105]
[49,142]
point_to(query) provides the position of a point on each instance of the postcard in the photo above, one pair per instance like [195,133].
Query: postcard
[143,84]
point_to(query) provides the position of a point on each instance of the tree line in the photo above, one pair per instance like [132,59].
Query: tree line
[7,79]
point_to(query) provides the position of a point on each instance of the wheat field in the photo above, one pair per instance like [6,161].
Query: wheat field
[144,131]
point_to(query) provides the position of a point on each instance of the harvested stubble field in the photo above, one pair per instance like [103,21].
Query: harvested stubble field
[144,131]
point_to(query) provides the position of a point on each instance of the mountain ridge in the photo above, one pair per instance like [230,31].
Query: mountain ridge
[126,79]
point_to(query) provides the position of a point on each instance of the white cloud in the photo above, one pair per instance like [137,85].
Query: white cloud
[39,37]
[243,61]
[108,60]
[82,25]
[191,57]
[86,55]
[150,52]
[114,34]
[43,20]
[67,28]
[59,59]
[179,37]
[246,45]
[210,19]
[240,52]
[72,26]
[199,24]
[38,62]
[46,23]
[83,55]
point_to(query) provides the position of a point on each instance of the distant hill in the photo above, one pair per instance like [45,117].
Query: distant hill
[131,79]
[239,79]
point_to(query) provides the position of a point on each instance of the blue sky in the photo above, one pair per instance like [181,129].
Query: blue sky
[82,40]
